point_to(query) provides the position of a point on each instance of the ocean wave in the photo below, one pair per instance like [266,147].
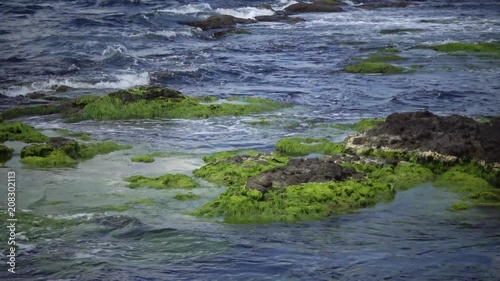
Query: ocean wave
[243,12]
[162,33]
[120,81]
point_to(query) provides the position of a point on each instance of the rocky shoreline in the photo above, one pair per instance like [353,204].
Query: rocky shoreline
[370,166]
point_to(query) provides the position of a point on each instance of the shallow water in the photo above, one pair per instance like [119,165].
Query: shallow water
[99,46]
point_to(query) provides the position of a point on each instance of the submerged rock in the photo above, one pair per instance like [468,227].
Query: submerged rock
[219,21]
[5,153]
[224,33]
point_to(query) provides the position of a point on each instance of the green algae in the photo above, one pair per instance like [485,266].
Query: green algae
[143,159]
[259,122]
[468,47]
[460,206]
[5,153]
[48,156]
[374,67]
[38,110]
[305,146]
[167,181]
[389,50]
[145,102]
[186,196]
[381,57]
[368,123]
[17,131]
[128,205]
[223,171]
[79,135]
[404,176]
[295,203]
[228,154]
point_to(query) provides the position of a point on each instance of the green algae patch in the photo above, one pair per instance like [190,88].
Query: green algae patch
[382,57]
[167,181]
[143,159]
[476,190]
[374,68]
[17,131]
[237,169]
[368,123]
[186,196]
[38,110]
[152,102]
[389,50]
[54,159]
[259,122]
[468,47]
[404,175]
[228,154]
[62,152]
[460,206]
[79,135]
[5,153]
[295,203]
[306,146]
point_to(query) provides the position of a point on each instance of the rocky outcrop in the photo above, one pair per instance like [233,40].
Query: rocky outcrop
[219,21]
[323,6]
[299,171]
[445,137]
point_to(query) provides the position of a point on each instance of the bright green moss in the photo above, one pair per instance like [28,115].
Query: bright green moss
[151,102]
[167,181]
[236,173]
[17,131]
[295,203]
[79,135]
[5,153]
[186,196]
[89,150]
[56,159]
[143,159]
[228,154]
[306,146]
[405,175]
[468,47]
[460,206]
[374,67]
[368,123]
[382,57]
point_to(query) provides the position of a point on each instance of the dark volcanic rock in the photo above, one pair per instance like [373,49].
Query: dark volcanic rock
[219,21]
[454,135]
[299,171]
[315,7]
[279,17]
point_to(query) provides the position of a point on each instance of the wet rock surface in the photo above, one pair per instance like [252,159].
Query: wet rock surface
[323,6]
[299,171]
[147,93]
[453,135]
[219,21]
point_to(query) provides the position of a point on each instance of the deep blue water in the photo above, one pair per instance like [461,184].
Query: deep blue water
[101,46]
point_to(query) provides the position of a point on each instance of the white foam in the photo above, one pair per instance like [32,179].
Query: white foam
[119,81]
[189,9]
[245,12]
[113,50]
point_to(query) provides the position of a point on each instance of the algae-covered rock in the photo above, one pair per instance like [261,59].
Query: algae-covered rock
[492,47]
[219,21]
[234,169]
[361,125]
[143,159]
[304,146]
[64,152]
[167,181]
[17,131]
[294,203]
[5,153]
[186,196]
[298,171]
[374,68]
[224,33]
